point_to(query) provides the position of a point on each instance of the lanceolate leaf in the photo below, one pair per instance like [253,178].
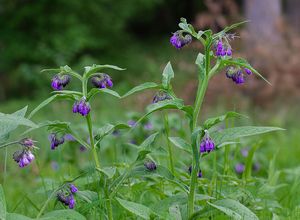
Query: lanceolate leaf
[135,208]
[180,143]
[95,91]
[234,209]
[230,134]
[213,121]
[200,61]
[168,74]
[144,86]
[108,129]
[90,70]
[51,99]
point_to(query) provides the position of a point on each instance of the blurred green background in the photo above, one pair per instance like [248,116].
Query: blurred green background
[134,34]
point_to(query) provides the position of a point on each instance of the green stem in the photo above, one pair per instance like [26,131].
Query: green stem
[166,123]
[94,150]
[10,143]
[108,202]
[202,86]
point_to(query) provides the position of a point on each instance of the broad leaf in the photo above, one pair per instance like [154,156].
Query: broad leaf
[108,171]
[135,208]
[66,214]
[87,195]
[234,209]
[144,86]
[108,129]
[230,134]
[2,204]
[168,74]
[180,143]
[213,121]
[200,61]
[95,91]
[15,216]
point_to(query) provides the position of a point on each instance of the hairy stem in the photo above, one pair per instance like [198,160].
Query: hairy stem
[202,86]
[166,123]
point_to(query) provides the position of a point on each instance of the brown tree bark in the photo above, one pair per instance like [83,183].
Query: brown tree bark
[292,14]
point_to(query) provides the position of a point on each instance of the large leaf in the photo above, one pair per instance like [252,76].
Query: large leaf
[231,134]
[15,216]
[136,208]
[10,122]
[180,143]
[64,69]
[87,195]
[168,74]
[200,61]
[2,204]
[63,215]
[90,70]
[95,91]
[213,121]
[145,146]
[144,86]
[234,209]
[49,100]
[108,171]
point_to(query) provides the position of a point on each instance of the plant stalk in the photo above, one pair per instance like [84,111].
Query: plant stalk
[171,163]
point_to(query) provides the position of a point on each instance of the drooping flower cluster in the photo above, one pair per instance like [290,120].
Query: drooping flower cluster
[179,41]
[55,141]
[207,144]
[223,49]
[236,74]
[60,81]
[150,165]
[82,107]
[102,81]
[25,156]
[161,96]
[66,195]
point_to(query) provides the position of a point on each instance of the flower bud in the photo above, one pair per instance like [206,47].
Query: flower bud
[55,141]
[102,81]
[82,107]
[207,145]
[161,96]
[150,165]
[60,81]
[179,41]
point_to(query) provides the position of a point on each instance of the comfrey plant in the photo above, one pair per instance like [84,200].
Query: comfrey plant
[109,190]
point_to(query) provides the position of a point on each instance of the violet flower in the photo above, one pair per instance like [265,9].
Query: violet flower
[60,81]
[179,41]
[102,81]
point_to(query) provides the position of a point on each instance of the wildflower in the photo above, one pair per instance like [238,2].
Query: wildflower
[60,81]
[69,137]
[179,41]
[150,165]
[239,168]
[82,148]
[244,152]
[73,188]
[55,141]
[27,142]
[249,72]
[223,49]
[161,96]
[148,126]
[236,74]
[25,156]
[207,144]
[131,123]
[82,107]
[102,81]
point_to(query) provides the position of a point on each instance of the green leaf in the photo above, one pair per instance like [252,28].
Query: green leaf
[233,26]
[213,121]
[145,147]
[69,92]
[199,34]
[90,70]
[249,161]
[108,171]
[49,100]
[65,70]
[230,134]
[168,74]
[144,86]
[234,209]
[108,129]
[2,204]
[10,122]
[95,91]
[180,143]
[87,195]
[15,216]
[135,208]
[243,63]
[200,61]
[149,140]
[66,214]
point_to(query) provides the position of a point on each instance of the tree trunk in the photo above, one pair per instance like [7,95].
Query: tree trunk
[292,14]
[265,20]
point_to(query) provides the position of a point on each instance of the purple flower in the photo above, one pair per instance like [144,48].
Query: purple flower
[207,144]
[69,137]
[148,126]
[179,41]
[249,72]
[102,81]
[244,152]
[161,96]
[236,74]
[222,50]
[27,142]
[73,188]
[239,168]
[60,81]
[55,141]
[82,148]
[131,123]
[150,165]
[82,107]
[71,201]
[23,157]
